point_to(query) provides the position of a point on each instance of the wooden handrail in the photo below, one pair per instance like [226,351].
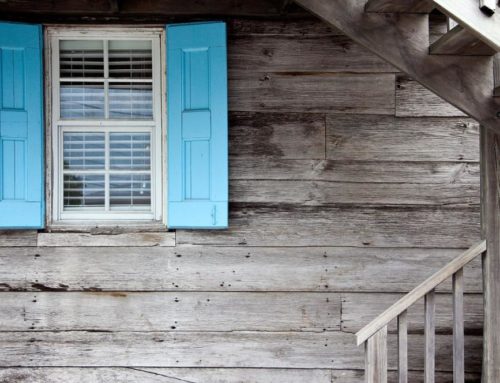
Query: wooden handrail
[419,292]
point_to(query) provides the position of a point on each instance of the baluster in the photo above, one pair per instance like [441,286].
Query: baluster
[430,337]
[458,327]
[403,347]
[376,357]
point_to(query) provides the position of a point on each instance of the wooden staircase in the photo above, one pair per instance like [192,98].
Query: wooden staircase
[374,335]
[459,67]
[463,68]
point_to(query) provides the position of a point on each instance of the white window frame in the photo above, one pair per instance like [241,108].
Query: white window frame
[156,126]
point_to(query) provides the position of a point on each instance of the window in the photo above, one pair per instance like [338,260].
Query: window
[106,124]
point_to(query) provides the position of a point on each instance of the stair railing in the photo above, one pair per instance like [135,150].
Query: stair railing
[374,335]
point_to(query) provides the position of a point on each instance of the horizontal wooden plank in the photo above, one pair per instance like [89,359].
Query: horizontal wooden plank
[169,375]
[18,238]
[289,225]
[201,375]
[399,6]
[304,27]
[212,349]
[372,138]
[303,53]
[383,172]
[316,193]
[145,239]
[254,135]
[193,268]
[360,309]
[312,92]
[166,311]
[413,100]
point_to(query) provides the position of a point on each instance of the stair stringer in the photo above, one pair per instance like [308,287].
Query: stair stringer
[403,41]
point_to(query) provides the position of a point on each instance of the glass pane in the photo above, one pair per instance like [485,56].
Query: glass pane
[80,100]
[130,151]
[130,191]
[81,58]
[83,151]
[132,101]
[130,59]
[83,190]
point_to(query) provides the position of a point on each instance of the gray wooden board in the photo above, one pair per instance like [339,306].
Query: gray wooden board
[317,92]
[18,238]
[383,172]
[280,135]
[305,26]
[166,311]
[213,349]
[200,375]
[381,138]
[315,193]
[171,375]
[359,309]
[303,54]
[209,268]
[413,100]
[264,225]
[140,239]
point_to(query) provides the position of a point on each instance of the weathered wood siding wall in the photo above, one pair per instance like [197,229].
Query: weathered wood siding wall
[350,183]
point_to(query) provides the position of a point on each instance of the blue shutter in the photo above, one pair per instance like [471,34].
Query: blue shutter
[197,126]
[21,127]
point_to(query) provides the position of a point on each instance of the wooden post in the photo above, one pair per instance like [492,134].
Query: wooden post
[490,229]
[376,357]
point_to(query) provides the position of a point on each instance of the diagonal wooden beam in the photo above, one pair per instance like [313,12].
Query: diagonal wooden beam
[400,6]
[403,40]
[459,41]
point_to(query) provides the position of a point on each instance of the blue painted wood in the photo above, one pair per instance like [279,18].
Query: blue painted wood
[21,127]
[197,126]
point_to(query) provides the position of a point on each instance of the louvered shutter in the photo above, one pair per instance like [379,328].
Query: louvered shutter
[197,126]
[21,127]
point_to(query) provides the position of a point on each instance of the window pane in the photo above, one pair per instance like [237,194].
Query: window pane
[83,190]
[130,59]
[80,100]
[81,58]
[130,151]
[83,151]
[132,101]
[130,191]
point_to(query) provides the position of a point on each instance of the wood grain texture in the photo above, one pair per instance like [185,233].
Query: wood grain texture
[403,41]
[200,375]
[490,225]
[460,41]
[168,311]
[430,337]
[320,193]
[458,326]
[439,173]
[303,53]
[200,268]
[376,357]
[405,6]
[264,225]
[214,349]
[104,240]
[317,92]
[496,75]
[279,135]
[381,138]
[358,309]
[14,238]
[414,100]
[402,347]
